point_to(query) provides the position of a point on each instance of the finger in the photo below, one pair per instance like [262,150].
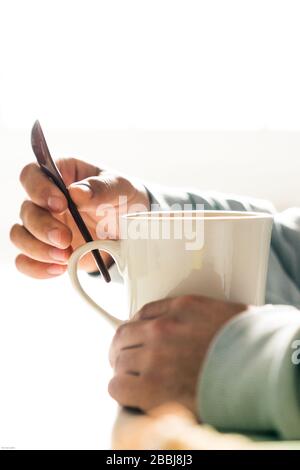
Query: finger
[127,390]
[154,309]
[35,249]
[129,335]
[38,270]
[73,169]
[44,227]
[104,189]
[41,189]
[129,361]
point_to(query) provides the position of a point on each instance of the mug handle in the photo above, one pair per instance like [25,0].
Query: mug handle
[113,247]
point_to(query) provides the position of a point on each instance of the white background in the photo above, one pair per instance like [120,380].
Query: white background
[201,93]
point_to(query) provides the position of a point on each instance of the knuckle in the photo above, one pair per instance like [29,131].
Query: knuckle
[112,387]
[161,326]
[19,262]
[118,336]
[102,185]
[120,331]
[148,310]
[25,172]
[185,301]
[39,189]
[25,209]
[122,181]
[155,328]
[145,310]
[13,233]
[119,363]
[124,361]
[116,390]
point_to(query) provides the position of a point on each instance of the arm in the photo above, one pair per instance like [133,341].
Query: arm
[164,198]
[250,380]
[234,366]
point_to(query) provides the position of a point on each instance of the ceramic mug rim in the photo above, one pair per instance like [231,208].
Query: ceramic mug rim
[207,215]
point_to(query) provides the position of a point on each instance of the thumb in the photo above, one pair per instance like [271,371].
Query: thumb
[81,193]
[90,192]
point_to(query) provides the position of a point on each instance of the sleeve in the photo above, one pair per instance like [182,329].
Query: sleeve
[250,380]
[286,241]
[164,198]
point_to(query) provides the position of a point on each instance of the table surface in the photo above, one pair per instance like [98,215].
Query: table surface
[54,366]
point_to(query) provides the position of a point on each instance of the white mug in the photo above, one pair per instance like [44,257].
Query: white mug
[218,254]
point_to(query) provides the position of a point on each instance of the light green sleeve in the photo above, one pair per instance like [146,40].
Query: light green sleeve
[250,381]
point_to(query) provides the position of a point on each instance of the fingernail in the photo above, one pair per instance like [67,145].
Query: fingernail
[55,204]
[55,269]
[54,236]
[58,255]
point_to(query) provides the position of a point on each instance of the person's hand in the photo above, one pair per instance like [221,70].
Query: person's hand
[157,356]
[48,234]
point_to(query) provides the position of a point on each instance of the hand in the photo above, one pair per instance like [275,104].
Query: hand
[48,234]
[157,356]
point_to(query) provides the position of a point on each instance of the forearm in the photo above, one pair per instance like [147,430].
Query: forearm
[250,380]
[164,198]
